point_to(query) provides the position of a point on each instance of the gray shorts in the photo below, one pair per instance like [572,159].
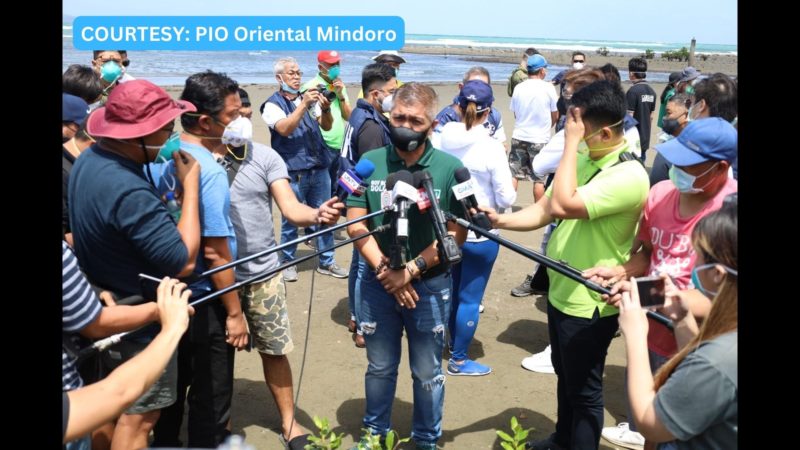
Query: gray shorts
[520,160]
[165,390]
[264,306]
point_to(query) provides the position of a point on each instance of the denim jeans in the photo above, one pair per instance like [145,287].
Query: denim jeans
[357,265]
[311,187]
[382,321]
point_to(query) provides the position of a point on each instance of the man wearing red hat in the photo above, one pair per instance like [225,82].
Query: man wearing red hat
[122,228]
[328,76]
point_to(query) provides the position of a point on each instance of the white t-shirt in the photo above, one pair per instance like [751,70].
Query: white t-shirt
[532,103]
[546,162]
[273,113]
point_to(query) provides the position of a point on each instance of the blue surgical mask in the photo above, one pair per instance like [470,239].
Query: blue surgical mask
[696,278]
[110,71]
[285,87]
[684,181]
[396,72]
[333,72]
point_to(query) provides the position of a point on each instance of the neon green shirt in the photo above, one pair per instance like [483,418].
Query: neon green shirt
[614,199]
[335,136]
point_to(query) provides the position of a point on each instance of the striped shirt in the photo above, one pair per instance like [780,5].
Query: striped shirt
[79,308]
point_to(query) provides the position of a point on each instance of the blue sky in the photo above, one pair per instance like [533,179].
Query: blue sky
[710,21]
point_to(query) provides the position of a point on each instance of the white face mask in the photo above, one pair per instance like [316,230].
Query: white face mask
[577,66]
[238,132]
[387,103]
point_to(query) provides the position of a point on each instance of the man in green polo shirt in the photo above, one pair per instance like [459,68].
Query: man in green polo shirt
[415,298]
[597,195]
[329,65]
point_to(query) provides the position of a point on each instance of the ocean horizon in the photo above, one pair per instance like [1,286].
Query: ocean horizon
[173,67]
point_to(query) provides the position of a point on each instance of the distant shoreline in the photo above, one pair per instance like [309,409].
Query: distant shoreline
[725,63]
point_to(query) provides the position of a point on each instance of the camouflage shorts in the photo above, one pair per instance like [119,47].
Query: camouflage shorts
[264,305]
[164,391]
[520,160]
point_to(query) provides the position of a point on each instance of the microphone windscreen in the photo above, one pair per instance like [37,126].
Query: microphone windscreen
[391,180]
[418,178]
[462,174]
[405,176]
[364,168]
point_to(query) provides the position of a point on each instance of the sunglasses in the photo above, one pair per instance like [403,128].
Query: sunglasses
[579,60]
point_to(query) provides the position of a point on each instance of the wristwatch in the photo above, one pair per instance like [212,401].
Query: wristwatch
[421,264]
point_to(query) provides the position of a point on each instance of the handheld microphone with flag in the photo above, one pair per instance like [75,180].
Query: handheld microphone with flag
[449,252]
[465,193]
[352,181]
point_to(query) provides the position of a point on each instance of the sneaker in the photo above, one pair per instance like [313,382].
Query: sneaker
[290,273]
[539,362]
[333,270]
[481,308]
[426,446]
[622,436]
[524,289]
[469,368]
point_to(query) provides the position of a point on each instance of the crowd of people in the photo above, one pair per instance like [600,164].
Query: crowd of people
[196,205]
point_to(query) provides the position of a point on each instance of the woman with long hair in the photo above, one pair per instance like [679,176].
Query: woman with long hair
[692,401]
[490,175]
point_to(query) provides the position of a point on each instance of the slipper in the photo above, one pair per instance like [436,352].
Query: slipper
[297,443]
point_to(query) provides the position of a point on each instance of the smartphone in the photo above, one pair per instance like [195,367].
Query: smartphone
[651,291]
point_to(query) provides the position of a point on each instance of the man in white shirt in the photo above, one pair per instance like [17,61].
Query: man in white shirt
[535,111]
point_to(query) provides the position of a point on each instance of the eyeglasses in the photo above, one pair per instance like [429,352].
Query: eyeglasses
[299,73]
[579,60]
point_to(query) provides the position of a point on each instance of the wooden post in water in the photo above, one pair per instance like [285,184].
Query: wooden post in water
[691,52]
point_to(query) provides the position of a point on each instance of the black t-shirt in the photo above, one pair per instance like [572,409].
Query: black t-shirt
[370,137]
[641,99]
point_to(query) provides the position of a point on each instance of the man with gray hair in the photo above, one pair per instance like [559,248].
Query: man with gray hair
[295,119]
[415,296]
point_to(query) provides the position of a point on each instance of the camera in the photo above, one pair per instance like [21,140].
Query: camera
[330,95]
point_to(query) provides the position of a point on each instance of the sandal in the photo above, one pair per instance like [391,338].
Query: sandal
[297,443]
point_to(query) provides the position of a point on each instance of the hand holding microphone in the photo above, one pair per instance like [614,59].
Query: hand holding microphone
[465,193]
[351,182]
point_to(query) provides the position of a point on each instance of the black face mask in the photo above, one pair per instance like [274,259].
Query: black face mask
[670,126]
[407,139]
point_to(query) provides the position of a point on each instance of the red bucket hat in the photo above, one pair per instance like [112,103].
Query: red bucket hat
[135,109]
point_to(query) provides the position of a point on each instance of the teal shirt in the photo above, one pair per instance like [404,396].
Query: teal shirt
[335,136]
[420,230]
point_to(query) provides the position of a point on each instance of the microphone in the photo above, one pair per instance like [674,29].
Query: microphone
[465,193]
[351,182]
[400,184]
[449,252]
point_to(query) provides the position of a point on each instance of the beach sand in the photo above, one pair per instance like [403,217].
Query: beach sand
[333,382]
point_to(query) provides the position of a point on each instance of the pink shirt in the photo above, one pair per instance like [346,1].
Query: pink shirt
[671,239]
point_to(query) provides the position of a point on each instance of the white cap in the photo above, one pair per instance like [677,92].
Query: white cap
[389,55]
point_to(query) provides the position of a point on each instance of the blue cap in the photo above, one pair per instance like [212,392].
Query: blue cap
[478,92]
[702,140]
[536,62]
[73,109]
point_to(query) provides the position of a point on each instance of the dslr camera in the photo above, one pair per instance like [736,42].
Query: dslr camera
[330,95]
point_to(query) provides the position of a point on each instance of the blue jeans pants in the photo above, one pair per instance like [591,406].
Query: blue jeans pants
[470,278]
[311,187]
[383,321]
[357,265]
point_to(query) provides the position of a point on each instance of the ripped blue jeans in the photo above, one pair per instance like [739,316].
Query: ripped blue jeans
[382,320]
